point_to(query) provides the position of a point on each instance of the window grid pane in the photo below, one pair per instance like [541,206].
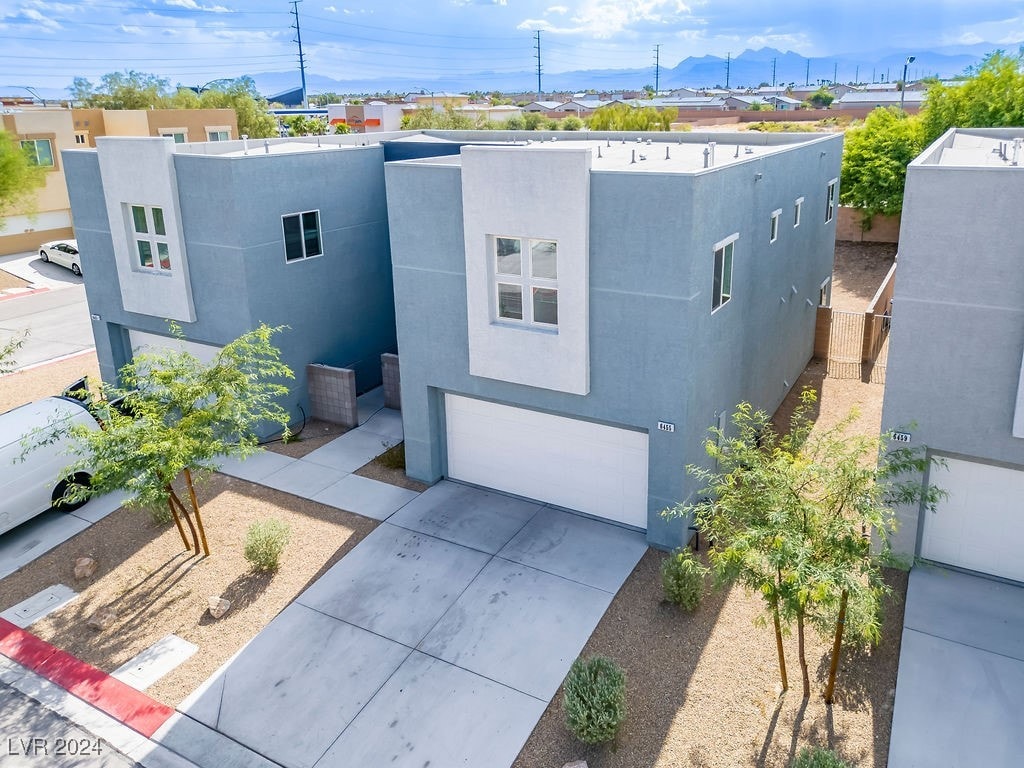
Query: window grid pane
[44,153]
[510,260]
[510,301]
[727,273]
[544,259]
[139,219]
[545,306]
[158,221]
[311,233]
[145,253]
[164,255]
[292,238]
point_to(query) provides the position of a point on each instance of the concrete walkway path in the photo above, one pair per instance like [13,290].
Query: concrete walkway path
[960,690]
[438,640]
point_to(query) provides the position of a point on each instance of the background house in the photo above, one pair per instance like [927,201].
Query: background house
[573,342]
[955,378]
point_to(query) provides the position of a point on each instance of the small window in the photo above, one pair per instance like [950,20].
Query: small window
[81,137]
[526,280]
[830,200]
[180,135]
[773,233]
[39,152]
[147,227]
[797,209]
[301,235]
[721,288]
[218,135]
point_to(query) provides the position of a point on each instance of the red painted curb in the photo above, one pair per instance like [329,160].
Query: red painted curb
[5,296]
[119,700]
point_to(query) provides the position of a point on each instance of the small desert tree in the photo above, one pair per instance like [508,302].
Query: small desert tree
[791,518]
[179,416]
[7,351]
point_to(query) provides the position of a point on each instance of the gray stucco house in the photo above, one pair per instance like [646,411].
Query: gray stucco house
[220,237]
[955,380]
[573,315]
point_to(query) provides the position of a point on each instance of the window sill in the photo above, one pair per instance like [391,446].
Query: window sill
[549,330]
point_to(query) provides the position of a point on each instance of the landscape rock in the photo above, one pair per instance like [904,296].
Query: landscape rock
[576,764]
[85,567]
[218,606]
[102,619]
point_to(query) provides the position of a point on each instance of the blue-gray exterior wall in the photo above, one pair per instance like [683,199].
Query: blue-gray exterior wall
[657,353]
[957,337]
[339,307]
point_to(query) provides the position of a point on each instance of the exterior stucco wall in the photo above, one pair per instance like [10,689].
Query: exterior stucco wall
[957,338]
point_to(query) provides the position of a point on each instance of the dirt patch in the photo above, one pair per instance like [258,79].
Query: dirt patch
[858,271]
[7,280]
[23,387]
[376,470]
[157,588]
[315,434]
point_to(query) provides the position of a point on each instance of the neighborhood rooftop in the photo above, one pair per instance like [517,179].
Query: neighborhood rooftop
[969,149]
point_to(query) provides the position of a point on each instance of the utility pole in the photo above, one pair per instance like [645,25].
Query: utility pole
[835,72]
[856,75]
[657,69]
[537,56]
[774,61]
[807,74]
[728,62]
[298,39]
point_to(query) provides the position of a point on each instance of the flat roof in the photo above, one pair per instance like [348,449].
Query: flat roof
[973,150]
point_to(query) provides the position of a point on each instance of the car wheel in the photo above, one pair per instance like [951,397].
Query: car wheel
[76,269]
[44,256]
[79,478]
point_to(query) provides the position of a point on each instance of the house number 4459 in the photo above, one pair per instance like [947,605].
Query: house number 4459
[666,426]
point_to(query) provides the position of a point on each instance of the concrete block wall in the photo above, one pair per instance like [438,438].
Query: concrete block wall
[392,381]
[332,394]
[884,229]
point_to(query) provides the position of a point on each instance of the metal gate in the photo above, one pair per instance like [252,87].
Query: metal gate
[845,344]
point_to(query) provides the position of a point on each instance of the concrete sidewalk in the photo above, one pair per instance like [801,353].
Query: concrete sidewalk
[960,690]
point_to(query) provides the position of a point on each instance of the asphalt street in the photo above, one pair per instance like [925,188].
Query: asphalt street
[57,322]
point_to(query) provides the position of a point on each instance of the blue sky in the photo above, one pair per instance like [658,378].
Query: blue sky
[45,44]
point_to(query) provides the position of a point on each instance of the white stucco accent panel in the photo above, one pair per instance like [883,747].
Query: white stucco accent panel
[542,194]
[140,171]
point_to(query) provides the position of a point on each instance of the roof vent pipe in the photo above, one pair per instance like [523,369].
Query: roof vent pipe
[737,151]
[707,153]
[1016,150]
[666,154]
[245,144]
[711,146]
[631,162]
[266,147]
[598,151]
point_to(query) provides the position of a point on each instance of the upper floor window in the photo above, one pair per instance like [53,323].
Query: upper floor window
[830,200]
[526,280]
[301,235]
[180,135]
[150,234]
[81,137]
[218,134]
[721,285]
[797,209]
[39,152]
[773,231]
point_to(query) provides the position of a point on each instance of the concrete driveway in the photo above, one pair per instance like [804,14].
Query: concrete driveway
[960,689]
[438,640]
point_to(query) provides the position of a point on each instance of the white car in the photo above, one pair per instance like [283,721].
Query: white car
[63,252]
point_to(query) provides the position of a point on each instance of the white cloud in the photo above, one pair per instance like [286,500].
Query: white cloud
[606,18]
[130,30]
[330,9]
[44,21]
[192,5]
[784,42]
[561,10]
[480,2]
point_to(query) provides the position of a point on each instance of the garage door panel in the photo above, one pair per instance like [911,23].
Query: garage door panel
[568,462]
[980,526]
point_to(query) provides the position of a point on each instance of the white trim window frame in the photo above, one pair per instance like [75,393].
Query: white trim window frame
[180,135]
[148,230]
[798,206]
[218,133]
[722,268]
[773,229]
[525,281]
[830,200]
[302,236]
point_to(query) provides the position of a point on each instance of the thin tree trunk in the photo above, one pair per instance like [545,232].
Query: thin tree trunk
[184,514]
[177,522]
[195,508]
[803,657]
[830,687]
[778,644]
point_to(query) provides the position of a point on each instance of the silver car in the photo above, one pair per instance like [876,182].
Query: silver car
[63,252]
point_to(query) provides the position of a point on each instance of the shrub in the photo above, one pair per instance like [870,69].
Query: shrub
[264,543]
[682,578]
[572,123]
[393,457]
[595,699]
[816,757]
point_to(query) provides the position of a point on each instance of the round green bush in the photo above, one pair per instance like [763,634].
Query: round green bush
[264,542]
[682,578]
[816,757]
[595,699]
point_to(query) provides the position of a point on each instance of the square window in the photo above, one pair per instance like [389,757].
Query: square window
[544,257]
[545,306]
[147,226]
[39,152]
[301,235]
[510,301]
[510,257]
[145,253]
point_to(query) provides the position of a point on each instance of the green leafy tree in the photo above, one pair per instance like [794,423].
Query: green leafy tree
[515,123]
[791,516]
[623,117]
[532,121]
[991,96]
[342,128]
[123,90]
[447,119]
[300,125]
[821,98]
[19,177]
[572,123]
[875,159]
[251,109]
[7,351]
[180,416]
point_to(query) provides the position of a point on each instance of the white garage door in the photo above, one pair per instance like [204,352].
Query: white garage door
[570,463]
[981,525]
[152,343]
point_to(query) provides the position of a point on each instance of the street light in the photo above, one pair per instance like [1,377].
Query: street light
[424,93]
[903,88]
[30,90]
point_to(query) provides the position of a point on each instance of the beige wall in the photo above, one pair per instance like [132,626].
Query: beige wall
[124,122]
[195,122]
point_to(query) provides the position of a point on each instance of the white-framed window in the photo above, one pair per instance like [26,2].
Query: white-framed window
[721,285]
[825,293]
[149,233]
[798,206]
[180,135]
[525,280]
[830,200]
[39,152]
[773,229]
[81,137]
[301,235]
[218,133]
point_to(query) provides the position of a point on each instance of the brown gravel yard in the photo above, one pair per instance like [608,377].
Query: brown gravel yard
[25,386]
[7,280]
[858,270]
